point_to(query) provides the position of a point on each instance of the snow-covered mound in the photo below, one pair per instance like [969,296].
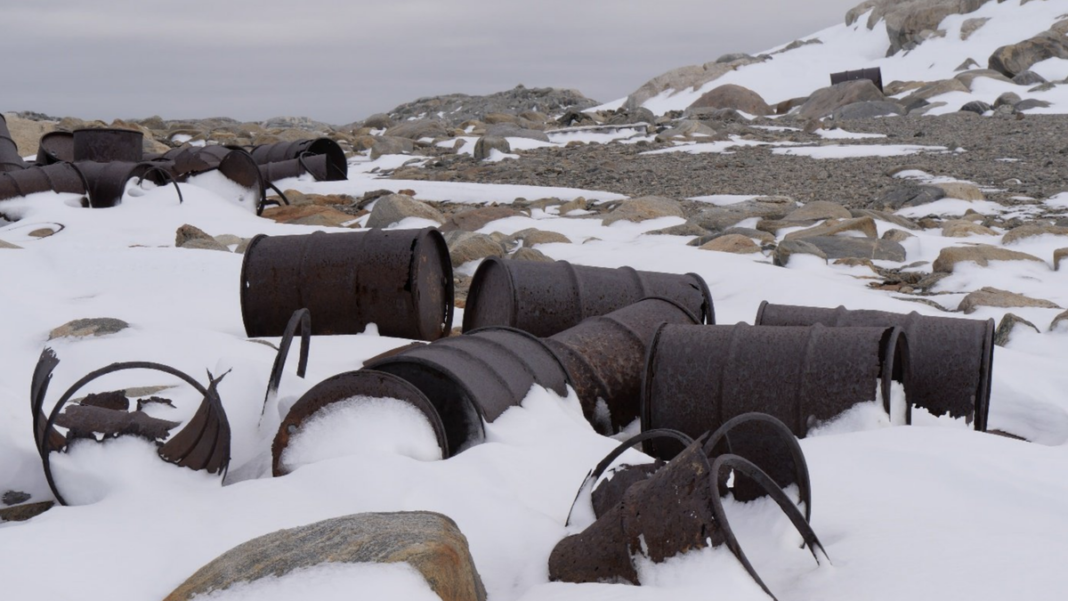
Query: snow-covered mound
[885,34]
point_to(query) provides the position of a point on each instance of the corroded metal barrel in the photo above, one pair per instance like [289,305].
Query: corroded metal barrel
[547,298]
[344,386]
[318,166]
[10,159]
[236,164]
[698,378]
[56,147]
[105,145]
[952,359]
[106,182]
[874,75]
[400,280]
[605,358]
[476,377]
[333,167]
[60,177]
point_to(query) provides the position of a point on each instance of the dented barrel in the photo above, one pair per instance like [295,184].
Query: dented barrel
[364,383]
[400,280]
[332,167]
[952,359]
[476,377]
[10,159]
[605,358]
[60,177]
[56,147]
[105,145]
[698,378]
[874,75]
[318,166]
[106,182]
[236,164]
[547,298]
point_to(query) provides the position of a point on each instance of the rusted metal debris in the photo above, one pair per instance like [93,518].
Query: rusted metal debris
[874,75]
[106,145]
[547,298]
[60,177]
[10,159]
[236,164]
[951,359]
[674,510]
[301,318]
[697,378]
[476,377]
[106,182]
[55,147]
[362,383]
[202,444]
[400,280]
[323,158]
[605,355]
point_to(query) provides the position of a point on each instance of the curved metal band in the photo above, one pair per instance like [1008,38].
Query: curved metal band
[301,318]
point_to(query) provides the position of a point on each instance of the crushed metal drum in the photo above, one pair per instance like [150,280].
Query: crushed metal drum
[106,145]
[331,167]
[605,356]
[106,182]
[235,164]
[400,280]
[202,444]
[10,159]
[674,510]
[56,147]
[476,377]
[874,75]
[547,298]
[318,166]
[362,383]
[60,177]
[699,377]
[952,359]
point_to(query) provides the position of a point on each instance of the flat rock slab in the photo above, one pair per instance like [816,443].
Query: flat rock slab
[732,243]
[994,297]
[644,208]
[395,207]
[96,326]
[844,247]
[832,227]
[475,219]
[1029,231]
[980,254]
[429,542]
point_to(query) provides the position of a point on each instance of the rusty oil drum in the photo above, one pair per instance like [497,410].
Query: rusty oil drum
[400,280]
[10,159]
[547,298]
[952,358]
[105,145]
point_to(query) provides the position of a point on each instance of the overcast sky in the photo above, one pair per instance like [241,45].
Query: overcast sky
[342,60]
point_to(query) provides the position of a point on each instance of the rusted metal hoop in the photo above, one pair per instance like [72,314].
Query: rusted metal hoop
[604,464]
[747,468]
[166,176]
[301,318]
[211,398]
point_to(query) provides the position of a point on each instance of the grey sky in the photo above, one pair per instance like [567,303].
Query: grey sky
[340,61]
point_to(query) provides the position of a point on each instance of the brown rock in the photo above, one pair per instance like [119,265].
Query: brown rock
[1028,231]
[95,326]
[307,215]
[896,235]
[994,297]
[788,248]
[731,96]
[475,219]
[1008,323]
[531,236]
[961,190]
[9,245]
[472,247]
[396,207]
[21,513]
[981,254]
[832,227]
[732,243]
[961,228]
[1058,256]
[818,210]
[26,133]
[1057,321]
[643,209]
[530,254]
[429,542]
[41,233]
[825,101]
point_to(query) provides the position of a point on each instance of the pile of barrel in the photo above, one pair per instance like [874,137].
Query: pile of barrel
[100,163]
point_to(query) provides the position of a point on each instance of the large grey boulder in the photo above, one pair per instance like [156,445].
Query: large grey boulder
[391,145]
[908,195]
[485,146]
[690,77]
[826,101]
[466,246]
[395,207]
[1017,58]
[429,542]
[846,247]
[731,96]
[643,209]
[767,207]
[910,22]
[788,248]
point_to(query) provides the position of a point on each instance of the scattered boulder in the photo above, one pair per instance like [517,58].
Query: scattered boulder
[848,247]
[937,88]
[962,228]
[21,513]
[1031,103]
[1016,58]
[475,219]
[417,130]
[961,190]
[1028,78]
[379,121]
[531,236]
[788,248]
[994,297]
[731,96]
[429,542]
[1009,98]
[970,26]
[395,207]
[976,106]
[817,210]
[391,145]
[908,195]
[27,133]
[1007,324]
[1058,256]
[308,214]
[825,101]
[683,229]
[485,146]
[644,208]
[1061,318]
[511,130]
[968,77]
[693,76]
[530,254]
[765,207]
[1030,231]
[966,65]
[189,236]
[896,235]
[688,128]
[884,216]
[82,328]
[15,497]
[467,247]
[868,109]
[732,243]
[832,227]
[981,254]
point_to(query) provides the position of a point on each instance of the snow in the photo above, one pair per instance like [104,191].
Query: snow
[832,151]
[334,582]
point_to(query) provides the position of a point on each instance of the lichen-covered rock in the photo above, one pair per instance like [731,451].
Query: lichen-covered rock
[848,247]
[994,297]
[429,542]
[1006,326]
[396,207]
[471,247]
[765,207]
[731,96]
[643,209]
[485,146]
[788,248]
[826,101]
[980,254]
[1016,58]
[475,219]
[1029,231]
[732,243]
[961,228]
[833,227]
[308,214]
[95,326]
